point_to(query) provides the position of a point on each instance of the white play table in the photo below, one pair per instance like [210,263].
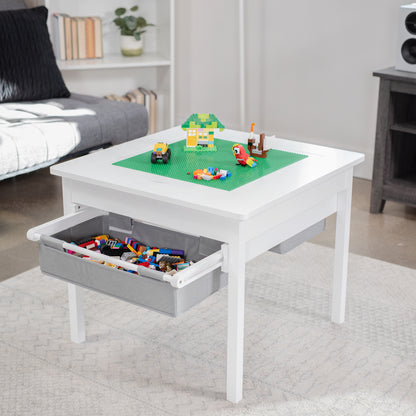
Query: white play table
[249,220]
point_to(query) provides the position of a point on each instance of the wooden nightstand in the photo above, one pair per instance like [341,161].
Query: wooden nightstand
[394,171]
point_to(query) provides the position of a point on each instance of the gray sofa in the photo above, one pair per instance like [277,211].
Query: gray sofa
[113,122]
[108,123]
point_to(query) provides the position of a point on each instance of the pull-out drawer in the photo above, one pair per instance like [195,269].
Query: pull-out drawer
[300,238]
[152,289]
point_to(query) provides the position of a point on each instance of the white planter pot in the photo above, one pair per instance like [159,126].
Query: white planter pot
[130,46]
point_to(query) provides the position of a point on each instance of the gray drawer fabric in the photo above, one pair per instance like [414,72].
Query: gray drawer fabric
[299,238]
[153,294]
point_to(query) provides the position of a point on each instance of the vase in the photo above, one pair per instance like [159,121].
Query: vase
[130,46]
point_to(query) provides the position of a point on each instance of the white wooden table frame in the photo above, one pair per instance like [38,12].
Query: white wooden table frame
[250,220]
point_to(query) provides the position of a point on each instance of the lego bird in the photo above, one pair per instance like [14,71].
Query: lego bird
[242,157]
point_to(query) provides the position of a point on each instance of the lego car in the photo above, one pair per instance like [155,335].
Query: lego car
[161,152]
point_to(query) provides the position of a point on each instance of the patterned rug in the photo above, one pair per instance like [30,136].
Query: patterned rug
[137,362]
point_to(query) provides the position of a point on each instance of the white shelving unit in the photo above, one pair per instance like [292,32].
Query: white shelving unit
[115,60]
[115,73]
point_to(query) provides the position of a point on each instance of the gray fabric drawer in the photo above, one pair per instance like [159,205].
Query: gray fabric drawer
[153,294]
[299,238]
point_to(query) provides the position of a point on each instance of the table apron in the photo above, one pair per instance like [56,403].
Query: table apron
[179,218]
[318,196]
[279,233]
[274,224]
[284,220]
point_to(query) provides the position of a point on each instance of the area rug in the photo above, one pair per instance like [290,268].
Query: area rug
[137,362]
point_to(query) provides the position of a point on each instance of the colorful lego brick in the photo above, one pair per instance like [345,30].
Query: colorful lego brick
[242,157]
[89,245]
[101,237]
[200,132]
[182,266]
[70,251]
[169,258]
[225,172]
[133,250]
[172,252]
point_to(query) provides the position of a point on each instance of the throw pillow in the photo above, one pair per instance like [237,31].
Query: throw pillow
[28,69]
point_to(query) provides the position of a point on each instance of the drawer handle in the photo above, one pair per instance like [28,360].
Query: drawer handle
[197,270]
[180,279]
[59,224]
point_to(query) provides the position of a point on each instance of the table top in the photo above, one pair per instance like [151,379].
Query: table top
[97,169]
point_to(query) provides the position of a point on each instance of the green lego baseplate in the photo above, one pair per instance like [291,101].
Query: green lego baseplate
[182,164]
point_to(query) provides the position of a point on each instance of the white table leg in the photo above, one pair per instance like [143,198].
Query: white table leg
[235,336]
[76,313]
[75,293]
[342,237]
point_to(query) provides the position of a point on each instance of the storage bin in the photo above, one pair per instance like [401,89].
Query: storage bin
[149,289]
[300,238]
[152,289]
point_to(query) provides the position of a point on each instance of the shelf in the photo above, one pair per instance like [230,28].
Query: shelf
[401,190]
[115,73]
[408,127]
[116,60]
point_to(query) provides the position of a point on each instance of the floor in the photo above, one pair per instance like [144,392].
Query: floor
[139,362]
[34,198]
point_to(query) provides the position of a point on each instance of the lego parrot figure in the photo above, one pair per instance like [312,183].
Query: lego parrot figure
[242,157]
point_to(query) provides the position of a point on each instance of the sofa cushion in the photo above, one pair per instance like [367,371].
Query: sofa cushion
[113,122]
[28,69]
[12,4]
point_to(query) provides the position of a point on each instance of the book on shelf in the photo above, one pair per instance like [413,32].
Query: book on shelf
[58,26]
[136,96]
[82,40]
[68,37]
[150,102]
[147,98]
[115,97]
[98,37]
[146,94]
[89,33]
[77,37]
[55,35]
[153,112]
[74,33]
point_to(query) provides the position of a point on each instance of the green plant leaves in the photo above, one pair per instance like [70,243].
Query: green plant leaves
[137,35]
[120,11]
[130,22]
[130,25]
[119,22]
[141,22]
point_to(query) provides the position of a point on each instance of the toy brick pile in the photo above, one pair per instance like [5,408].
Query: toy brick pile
[165,260]
[211,173]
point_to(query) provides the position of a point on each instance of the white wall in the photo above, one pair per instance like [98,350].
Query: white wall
[206,50]
[309,66]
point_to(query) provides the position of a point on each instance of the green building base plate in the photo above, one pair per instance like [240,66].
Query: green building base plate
[182,162]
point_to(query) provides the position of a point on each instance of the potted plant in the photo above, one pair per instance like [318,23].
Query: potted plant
[131,29]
